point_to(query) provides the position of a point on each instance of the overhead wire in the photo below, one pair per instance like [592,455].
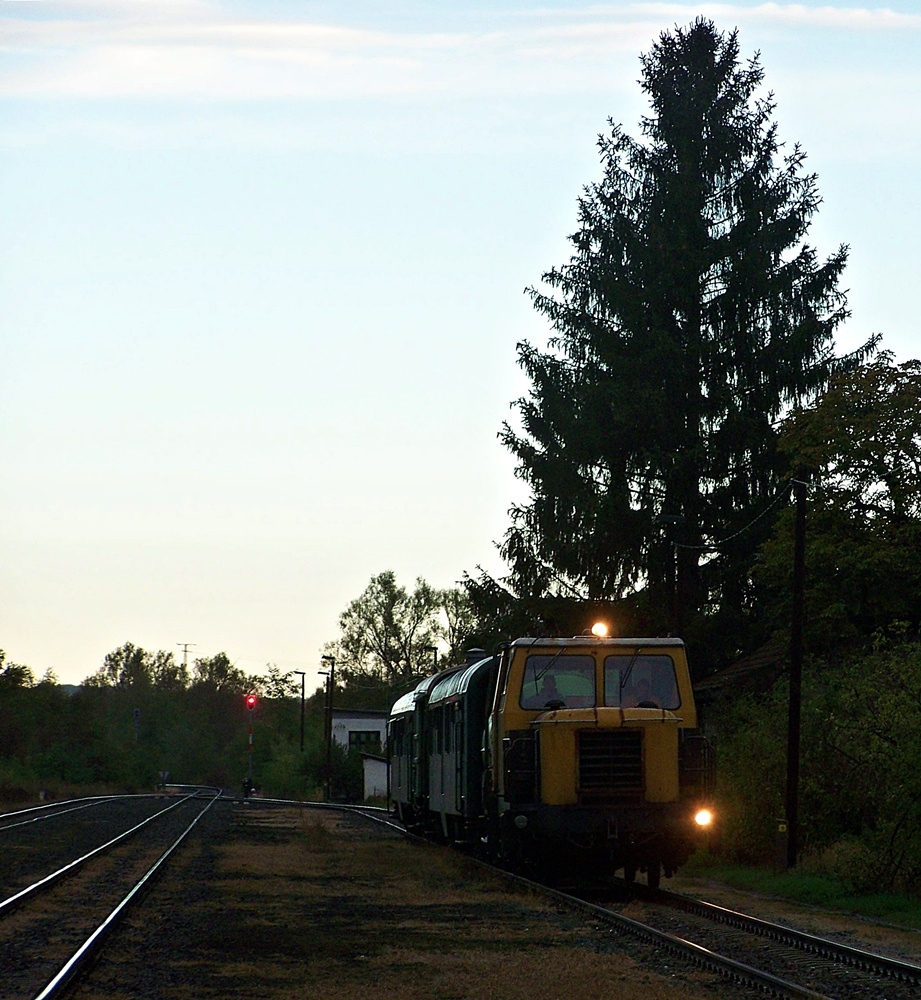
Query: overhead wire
[715,546]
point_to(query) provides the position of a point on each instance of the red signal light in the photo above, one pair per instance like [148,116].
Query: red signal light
[250,701]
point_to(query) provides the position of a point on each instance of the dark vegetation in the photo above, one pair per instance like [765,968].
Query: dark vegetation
[690,377]
[140,721]
[860,449]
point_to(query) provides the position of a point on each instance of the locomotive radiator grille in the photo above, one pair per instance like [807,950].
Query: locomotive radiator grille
[611,765]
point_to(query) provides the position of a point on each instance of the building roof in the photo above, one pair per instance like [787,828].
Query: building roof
[358,713]
[756,671]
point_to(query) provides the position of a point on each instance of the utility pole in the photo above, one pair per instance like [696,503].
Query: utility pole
[671,525]
[330,687]
[185,655]
[796,671]
[303,675]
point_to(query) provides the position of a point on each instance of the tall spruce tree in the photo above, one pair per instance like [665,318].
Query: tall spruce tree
[690,317]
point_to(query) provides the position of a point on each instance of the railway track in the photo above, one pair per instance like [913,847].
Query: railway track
[839,952]
[60,911]
[48,940]
[38,814]
[780,960]
[771,957]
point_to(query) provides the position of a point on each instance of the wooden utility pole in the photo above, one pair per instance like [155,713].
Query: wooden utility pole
[303,674]
[330,687]
[796,671]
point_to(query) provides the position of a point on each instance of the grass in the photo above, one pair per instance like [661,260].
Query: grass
[810,889]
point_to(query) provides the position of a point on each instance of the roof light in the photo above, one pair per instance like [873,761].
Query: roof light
[599,630]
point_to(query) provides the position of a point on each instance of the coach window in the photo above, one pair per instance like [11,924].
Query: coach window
[449,728]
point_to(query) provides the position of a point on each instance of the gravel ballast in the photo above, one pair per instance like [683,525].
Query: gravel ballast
[290,903]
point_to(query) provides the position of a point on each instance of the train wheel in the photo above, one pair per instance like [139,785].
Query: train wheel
[653,874]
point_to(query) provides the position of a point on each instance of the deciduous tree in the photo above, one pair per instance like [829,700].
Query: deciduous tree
[219,674]
[459,622]
[127,666]
[860,449]
[276,684]
[387,632]
[14,675]
[131,666]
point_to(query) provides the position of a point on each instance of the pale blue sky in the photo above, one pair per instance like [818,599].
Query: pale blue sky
[262,274]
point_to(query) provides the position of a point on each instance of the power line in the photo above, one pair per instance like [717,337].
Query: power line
[715,546]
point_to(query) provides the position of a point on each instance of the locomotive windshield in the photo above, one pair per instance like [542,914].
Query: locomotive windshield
[558,681]
[640,681]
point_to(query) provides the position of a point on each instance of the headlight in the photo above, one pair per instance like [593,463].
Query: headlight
[704,817]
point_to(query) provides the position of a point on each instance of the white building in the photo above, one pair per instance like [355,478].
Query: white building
[365,731]
[375,776]
[358,729]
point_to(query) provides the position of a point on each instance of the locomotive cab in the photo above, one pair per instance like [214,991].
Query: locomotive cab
[591,753]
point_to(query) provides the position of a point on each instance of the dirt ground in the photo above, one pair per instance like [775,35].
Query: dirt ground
[289,905]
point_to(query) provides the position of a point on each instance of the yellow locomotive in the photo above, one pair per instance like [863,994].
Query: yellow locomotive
[582,747]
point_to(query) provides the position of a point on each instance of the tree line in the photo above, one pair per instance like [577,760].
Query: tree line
[142,719]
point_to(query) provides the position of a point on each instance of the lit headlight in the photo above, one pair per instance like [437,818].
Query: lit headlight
[704,817]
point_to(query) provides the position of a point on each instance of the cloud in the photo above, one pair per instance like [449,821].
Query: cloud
[201,50]
[838,18]
[794,15]
[208,73]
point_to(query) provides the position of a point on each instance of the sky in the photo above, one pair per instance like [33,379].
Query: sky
[262,273]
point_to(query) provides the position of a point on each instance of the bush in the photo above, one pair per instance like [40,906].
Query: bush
[751,767]
[860,780]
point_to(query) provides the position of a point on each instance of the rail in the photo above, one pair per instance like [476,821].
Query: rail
[79,960]
[8,904]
